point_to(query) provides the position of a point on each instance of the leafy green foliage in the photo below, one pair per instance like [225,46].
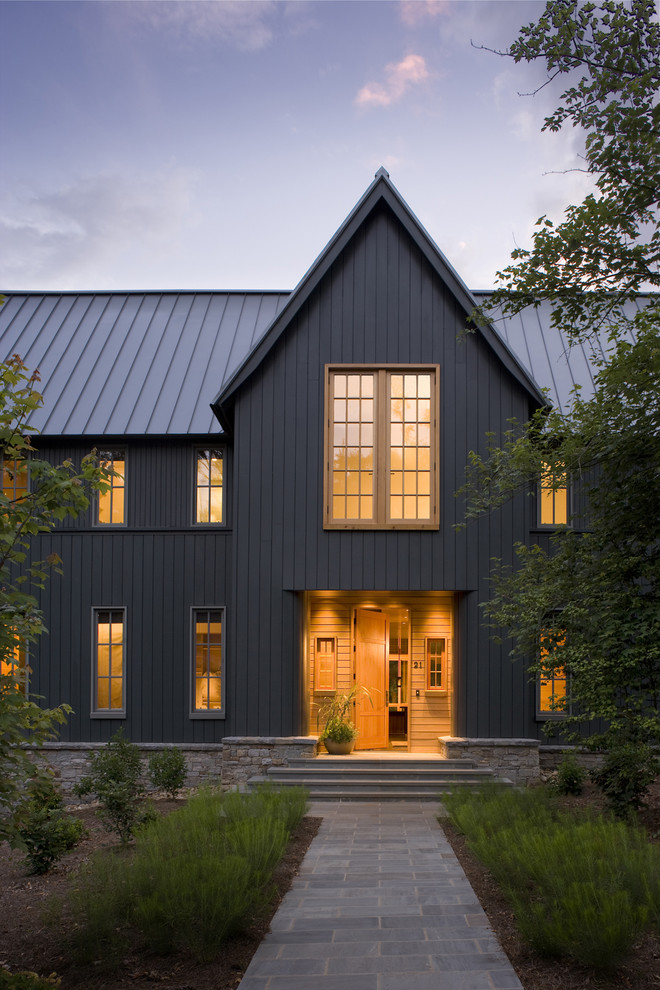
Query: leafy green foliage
[44,829]
[53,493]
[583,888]
[607,248]
[587,604]
[336,715]
[570,776]
[193,878]
[167,770]
[114,778]
[625,776]
[26,980]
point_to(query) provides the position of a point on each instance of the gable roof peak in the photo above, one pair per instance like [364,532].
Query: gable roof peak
[382,173]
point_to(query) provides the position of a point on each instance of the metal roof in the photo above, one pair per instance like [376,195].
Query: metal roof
[132,363]
[150,363]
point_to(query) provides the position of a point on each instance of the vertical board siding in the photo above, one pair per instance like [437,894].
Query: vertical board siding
[380,303]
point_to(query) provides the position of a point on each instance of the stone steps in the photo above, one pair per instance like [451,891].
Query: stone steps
[377,777]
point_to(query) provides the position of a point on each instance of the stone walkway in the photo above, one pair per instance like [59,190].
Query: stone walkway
[380,903]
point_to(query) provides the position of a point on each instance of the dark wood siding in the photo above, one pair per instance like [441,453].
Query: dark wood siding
[381,303]
[157,567]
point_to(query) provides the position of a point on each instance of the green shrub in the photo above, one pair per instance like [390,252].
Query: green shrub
[570,776]
[26,981]
[167,771]
[584,887]
[43,829]
[625,777]
[114,778]
[192,879]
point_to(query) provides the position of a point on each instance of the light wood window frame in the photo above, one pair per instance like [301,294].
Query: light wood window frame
[116,653]
[205,492]
[554,500]
[213,613]
[440,688]
[112,503]
[382,375]
[325,684]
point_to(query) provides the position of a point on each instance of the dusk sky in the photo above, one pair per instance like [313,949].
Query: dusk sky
[218,145]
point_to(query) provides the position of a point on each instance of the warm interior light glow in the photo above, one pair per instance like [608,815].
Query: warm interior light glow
[553,498]
[110,659]
[209,487]
[111,505]
[208,659]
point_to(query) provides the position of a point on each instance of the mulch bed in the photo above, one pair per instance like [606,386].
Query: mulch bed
[26,942]
[641,972]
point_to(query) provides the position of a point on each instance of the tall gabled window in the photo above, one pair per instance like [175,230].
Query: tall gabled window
[209,486]
[207,655]
[14,479]
[109,661]
[381,447]
[112,503]
[553,497]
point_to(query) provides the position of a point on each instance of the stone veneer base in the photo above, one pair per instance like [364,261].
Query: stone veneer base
[515,759]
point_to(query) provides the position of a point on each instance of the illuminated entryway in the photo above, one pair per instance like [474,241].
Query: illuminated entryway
[399,647]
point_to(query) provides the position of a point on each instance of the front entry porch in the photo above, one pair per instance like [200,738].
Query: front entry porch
[397,649]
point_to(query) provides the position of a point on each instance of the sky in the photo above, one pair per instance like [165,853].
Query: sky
[219,144]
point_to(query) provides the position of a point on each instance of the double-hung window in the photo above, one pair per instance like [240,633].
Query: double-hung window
[109,662]
[209,487]
[14,479]
[551,681]
[381,447]
[111,504]
[553,497]
[207,656]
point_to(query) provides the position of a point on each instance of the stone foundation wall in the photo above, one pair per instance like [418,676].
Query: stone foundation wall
[70,763]
[551,756]
[248,756]
[515,759]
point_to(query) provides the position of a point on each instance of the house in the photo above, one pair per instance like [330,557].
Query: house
[282,521]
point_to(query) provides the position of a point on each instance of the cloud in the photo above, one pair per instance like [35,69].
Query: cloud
[400,77]
[414,12]
[94,229]
[239,24]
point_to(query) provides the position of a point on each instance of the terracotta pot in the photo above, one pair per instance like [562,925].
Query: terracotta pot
[339,748]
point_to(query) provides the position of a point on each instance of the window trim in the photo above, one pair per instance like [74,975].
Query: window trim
[543,714]
[13,461]
[97,712]
[548,470]
[219,449]
[113,451]
[382,521]
[443,689]
[211,713]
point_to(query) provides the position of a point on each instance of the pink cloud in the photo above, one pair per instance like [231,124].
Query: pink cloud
[400,77]
[413,12]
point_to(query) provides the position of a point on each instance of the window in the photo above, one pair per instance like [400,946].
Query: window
[207,661]
[208,487]
[436,652]
[112,504]
[14,479]
[109,646]
[551,684]
[553,497]
[381,447]
[15,665]
[326,663]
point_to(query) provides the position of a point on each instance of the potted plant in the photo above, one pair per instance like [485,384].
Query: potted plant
[339,732]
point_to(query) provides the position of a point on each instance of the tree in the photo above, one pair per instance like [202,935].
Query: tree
[590,605]
[35,495]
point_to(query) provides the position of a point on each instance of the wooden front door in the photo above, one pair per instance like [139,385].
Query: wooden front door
[371,634]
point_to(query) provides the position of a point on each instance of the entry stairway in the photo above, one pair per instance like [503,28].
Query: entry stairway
[377,776]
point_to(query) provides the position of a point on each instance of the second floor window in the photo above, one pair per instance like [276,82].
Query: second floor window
[209,486]
[381,448]
[112,503]
[14,479]
[553,497]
